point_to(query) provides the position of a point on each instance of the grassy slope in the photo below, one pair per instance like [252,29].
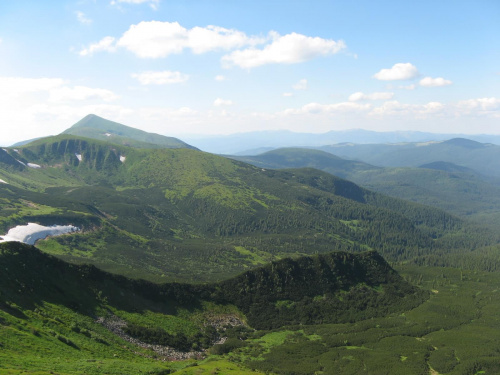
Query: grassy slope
[303,157]
[188,215]
[48,308]
[455,332]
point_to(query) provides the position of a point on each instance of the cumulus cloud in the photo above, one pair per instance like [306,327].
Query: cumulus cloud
[82,18]
[480,106]
[301,85]
[392,108]
[317,108]
[165,77]
[400,71]
[105,44]
[287,49]
[155,39]
[434,82]
[152,3]
[221,102]
[358,96]
[79,93]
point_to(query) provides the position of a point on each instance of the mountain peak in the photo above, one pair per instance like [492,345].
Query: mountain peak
[96,127]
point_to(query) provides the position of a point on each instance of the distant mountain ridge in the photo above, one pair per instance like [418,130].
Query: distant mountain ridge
[95,127]
[306,158]
[449,186]
[252,143]
[481,157]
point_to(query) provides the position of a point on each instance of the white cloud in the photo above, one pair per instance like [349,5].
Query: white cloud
[157,39]
[339,108]
[287,94]
[79,93]
[160,78]
[480,106]
[358,96]
[220,78]
[221,102]
[434,82]
[105,44]
[301,85]
[82,18]
[288,49]
[152,3]
[14,86]
[56,89]
[394,108]
[400,71]
[211,38]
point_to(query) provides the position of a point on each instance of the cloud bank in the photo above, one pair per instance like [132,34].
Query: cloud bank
[157,39]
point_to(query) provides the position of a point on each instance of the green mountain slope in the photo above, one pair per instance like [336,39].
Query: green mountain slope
[182,214]
[303,157]
[453,188]
[95,127]
[66,311]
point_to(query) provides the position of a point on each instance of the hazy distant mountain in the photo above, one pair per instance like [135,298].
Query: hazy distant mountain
[448,167]
[252,143]
[95,127]
[481,157]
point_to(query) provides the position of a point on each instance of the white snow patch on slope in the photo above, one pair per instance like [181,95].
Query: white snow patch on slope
[108,134]
[3,182]
[123,158]
[79,156]
[32,165]
[19,161]
[32,232]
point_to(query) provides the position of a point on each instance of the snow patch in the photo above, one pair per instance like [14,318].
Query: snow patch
[123,158]
[3,182]
[16,150]
[32,232]
[19,161]
[108,134]
[79,156]
[32,165]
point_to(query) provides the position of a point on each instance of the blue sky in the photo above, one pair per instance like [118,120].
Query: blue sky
[221,67]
